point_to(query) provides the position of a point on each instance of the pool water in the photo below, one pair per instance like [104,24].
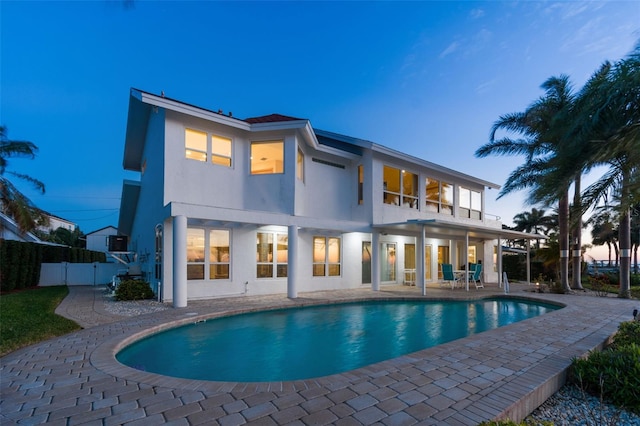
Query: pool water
[308,342]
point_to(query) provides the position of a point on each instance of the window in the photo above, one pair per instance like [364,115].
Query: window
[388,264]
[300,166]
[216,243]
[195,144]
[218,254]
[270,260]
[197,147]
[221,150]
[360,184]
[326,256]
[400,187]
[470,204]
[267,157]
[195,254]
[439,197]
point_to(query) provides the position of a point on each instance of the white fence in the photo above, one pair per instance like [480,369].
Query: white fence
[78,273]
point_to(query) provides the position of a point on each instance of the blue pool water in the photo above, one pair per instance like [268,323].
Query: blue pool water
[302,343]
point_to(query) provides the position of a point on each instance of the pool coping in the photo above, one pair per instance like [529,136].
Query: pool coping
[501,373]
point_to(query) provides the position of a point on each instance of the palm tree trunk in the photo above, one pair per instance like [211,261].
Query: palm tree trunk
[624,237]
[563,240]
[576,226]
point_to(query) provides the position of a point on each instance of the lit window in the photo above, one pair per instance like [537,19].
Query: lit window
[216,243]
[197,147]
[400,187]
[195,144]
[219,254]
[439,197]
[470,204]
[195,254]
[300,166]
[267,157]
[221,150]
[272,257]
[326,256]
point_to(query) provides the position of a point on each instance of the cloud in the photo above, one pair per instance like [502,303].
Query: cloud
[485,87]
[450,49]
[476,13]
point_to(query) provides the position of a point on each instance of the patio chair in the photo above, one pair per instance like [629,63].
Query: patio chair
[448,275]
[476,276]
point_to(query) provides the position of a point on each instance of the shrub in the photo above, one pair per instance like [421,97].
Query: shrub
[134,290]
[613,373]
[628,333]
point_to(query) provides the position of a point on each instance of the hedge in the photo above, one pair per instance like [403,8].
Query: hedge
[20,261]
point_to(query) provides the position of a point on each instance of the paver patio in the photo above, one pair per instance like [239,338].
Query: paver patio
[506,372]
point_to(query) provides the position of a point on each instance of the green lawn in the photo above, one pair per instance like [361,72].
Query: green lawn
[28,317]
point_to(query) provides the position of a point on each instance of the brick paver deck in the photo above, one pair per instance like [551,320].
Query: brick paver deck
[506,372]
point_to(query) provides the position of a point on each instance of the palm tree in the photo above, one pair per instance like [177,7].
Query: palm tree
[539,143]
[12,202]
[609,119]
[604,230]
[534,221]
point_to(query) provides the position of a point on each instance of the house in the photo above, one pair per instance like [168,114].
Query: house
[9,230]
[98,240]
[227,206]
[55,222]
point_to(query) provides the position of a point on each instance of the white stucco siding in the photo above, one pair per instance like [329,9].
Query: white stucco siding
[330,191]
[150,208]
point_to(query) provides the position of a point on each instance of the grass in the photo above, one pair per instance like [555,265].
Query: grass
[28,317]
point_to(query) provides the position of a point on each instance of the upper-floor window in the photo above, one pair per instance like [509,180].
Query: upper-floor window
[267,157]
[439,197]
[470,203]
[300,165]
[272,255]
[207,254]
[201,145]
[326,256]
[400,187]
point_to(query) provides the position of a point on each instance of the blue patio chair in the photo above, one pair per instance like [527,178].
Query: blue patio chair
[448,275]
[476,276]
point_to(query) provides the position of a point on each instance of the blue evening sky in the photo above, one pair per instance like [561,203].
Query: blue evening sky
[426,78]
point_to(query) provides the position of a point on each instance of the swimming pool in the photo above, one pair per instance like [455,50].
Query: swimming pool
[308,342]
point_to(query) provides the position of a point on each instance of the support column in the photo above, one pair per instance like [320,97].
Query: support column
[528,242]
[420,267]
[292,268]
[179,262]
[375,260]
[466,259]
[499,261]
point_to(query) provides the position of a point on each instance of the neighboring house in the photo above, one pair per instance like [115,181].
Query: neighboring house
[226,206]
[98,240]
[56,222]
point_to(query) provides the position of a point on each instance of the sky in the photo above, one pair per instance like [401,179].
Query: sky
[425,78]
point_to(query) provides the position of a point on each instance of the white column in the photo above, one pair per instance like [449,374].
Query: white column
[528,242]
[375,261]
[499,261]
[466,259]
[420,268]
[179,262]
[292,268]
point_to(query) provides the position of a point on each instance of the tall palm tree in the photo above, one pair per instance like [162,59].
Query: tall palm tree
[12,202]
[534,221]
[539,142]
[609,119]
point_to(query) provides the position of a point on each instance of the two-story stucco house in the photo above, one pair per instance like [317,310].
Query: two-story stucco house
[227,206]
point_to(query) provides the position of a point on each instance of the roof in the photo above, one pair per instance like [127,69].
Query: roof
[271,118]
[102,229]
[457,230]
